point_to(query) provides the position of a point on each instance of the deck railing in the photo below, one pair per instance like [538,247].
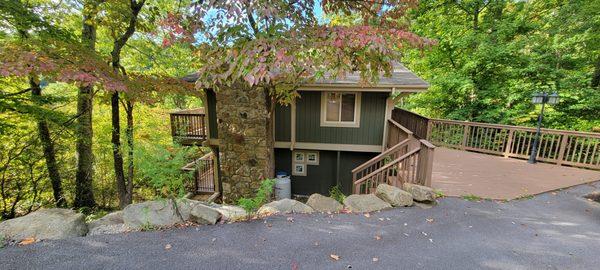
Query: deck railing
[188,125]
[561,147]
[395,166]
[414,122]
[396,134]
[204,173]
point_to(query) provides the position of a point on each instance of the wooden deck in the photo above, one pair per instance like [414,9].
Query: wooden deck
[460,173]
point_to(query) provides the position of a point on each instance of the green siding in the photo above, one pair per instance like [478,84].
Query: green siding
[370,132]
[283,123]
[211,99]
[320,178]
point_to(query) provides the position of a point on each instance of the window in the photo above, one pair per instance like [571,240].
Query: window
[312,158]
[340,109]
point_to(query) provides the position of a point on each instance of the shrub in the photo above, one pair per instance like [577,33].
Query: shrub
[263,195]
[336,193]
[160,167]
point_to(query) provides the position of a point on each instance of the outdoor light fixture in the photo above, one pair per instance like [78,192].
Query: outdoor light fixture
[540,98]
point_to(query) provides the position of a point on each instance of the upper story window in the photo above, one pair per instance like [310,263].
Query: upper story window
[340,109]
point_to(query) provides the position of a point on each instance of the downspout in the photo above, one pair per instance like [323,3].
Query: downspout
[337,169]
[293,125]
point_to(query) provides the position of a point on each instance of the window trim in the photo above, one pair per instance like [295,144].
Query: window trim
[357,103]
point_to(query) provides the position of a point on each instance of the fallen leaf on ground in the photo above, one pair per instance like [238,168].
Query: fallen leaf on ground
[367,215]
[430,220]
[27,241]
[269,225]
[375,259]
[334,257]
[377,237]
[168,246]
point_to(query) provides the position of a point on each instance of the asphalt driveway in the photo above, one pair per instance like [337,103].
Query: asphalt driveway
[551,231]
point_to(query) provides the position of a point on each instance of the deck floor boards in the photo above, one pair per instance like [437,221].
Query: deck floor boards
[459,173]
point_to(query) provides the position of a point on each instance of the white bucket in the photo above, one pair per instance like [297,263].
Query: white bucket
[283,187]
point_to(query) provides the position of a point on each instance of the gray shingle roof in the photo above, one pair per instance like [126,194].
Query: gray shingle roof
[401,77]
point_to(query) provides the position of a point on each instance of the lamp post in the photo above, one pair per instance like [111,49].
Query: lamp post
[540,98]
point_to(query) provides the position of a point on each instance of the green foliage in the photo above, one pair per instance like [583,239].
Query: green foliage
[336,193]
[160,167]
[492,55]
[472,198]
[263,195]
[94,215]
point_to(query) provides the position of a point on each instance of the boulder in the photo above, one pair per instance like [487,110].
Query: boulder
[322,203]
[231,213]
[113,218]
[159,213]
[110,224]
[394,195]
[203,214]
[419,193]
[52,223]
[109,229]
[284,206]
[365,203]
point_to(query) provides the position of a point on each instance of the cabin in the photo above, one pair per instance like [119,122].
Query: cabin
[337,133]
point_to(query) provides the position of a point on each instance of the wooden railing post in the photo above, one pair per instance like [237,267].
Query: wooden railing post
[465,138]
[562,148]
[429,128]
[509,141]
[425,168]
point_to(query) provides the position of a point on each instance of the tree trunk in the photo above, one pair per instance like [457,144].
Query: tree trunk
[117,156]
[596,76]
[124,189]
[49,152]
[129,134]
[84,193]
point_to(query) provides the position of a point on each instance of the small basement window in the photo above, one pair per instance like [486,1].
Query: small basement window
[340,109]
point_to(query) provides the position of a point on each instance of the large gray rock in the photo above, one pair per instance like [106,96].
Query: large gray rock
[231,213]
[109,224]
[203,214]
[284,206]
[365,203]
[109,229]
[109,219]
[394,195]
[322,203]
[53,223]
[152,214]
[419,193]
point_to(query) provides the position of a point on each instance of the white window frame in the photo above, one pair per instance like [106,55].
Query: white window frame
[314,162]
[296,173]
[353,124]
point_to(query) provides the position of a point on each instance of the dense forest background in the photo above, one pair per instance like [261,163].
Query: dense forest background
[493,55]
[490,56]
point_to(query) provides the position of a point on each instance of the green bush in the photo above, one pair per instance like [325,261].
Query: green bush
[263,195]
[336,193]
[160,168]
